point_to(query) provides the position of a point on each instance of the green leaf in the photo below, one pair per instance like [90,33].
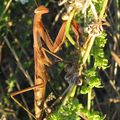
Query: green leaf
[95,82]
[85,89]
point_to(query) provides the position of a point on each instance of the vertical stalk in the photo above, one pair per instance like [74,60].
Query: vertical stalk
[6,9]
[86,55]
[118,18]
[89,100]
[71,93]
[103,9]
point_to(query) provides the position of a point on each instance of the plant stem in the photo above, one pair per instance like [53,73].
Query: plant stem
[89,100]
[71,93]
[6,9]
[118,18]
[18,61]
[103,9]
[86,55]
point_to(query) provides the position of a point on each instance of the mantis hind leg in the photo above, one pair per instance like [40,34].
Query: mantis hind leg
[23,91]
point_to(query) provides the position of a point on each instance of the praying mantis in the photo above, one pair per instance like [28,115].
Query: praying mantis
[41,59]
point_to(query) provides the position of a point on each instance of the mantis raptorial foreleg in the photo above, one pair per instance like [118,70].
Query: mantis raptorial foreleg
[68,28]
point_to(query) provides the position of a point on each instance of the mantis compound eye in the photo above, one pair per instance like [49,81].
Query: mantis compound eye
[41,9]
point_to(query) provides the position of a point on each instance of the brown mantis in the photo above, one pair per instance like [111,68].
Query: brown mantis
[41,60]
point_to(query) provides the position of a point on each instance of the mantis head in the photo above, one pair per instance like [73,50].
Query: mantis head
[41,10]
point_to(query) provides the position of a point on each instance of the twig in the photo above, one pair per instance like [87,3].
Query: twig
[114,115]
[114,87]
[18,41]
[1,46]
[57,17]
[6,9]
[70,93]
[103,9]
[23,99]
[114,100]
[116,58]
[18,61]
[18,87]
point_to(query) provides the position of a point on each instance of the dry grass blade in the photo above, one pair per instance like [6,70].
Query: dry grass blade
[1,46]
[18,61]
[6,9]
[116,58]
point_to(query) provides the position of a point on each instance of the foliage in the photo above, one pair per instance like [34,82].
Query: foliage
[75,111]
[90,80]
[98,52]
